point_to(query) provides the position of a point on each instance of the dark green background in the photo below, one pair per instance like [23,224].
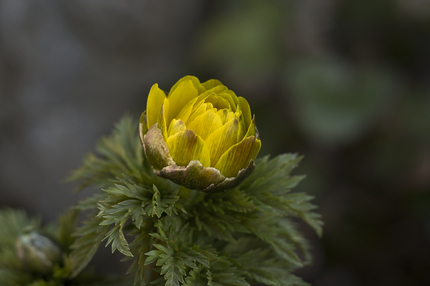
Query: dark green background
[345,83]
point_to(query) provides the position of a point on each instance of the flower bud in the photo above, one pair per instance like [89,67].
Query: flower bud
[201,135]
[37,253]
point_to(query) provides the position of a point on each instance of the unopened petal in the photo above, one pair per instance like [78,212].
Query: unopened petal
[195,81]
[227,96]
[216,89]
[233,97]
[202,97]
[223,103]
[225,115]
[186,146]
[213,99]
[238,156]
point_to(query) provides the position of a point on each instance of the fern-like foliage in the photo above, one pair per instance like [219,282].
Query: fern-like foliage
[14,273]
[176,236]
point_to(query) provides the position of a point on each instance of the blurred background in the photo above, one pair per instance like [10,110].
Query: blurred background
[345,83]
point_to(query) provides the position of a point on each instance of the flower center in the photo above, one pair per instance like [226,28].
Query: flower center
[206,118]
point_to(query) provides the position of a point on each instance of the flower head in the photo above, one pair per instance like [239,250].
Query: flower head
[201,135]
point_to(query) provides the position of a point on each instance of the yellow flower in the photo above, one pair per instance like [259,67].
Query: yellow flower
[201,135]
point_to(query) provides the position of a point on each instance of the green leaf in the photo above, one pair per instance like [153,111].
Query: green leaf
[162,203]
[85,246]
[221,273]
[139,246]
[270,188]
[116,237]
[196,278]
[66,226]
[183,237]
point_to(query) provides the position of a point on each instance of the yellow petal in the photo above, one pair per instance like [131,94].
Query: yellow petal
[185,146]
[209,106]
[218,101]
[193,79]
[222,103]
[176,126]
[233,97]
[217,89]
[212,99]
[205,124]
[211,84]
[202,108]
[182,94]
[238,156]
[227,96]
[246,110]
[155,100]
[221,139]
[202,97]
[185,113]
